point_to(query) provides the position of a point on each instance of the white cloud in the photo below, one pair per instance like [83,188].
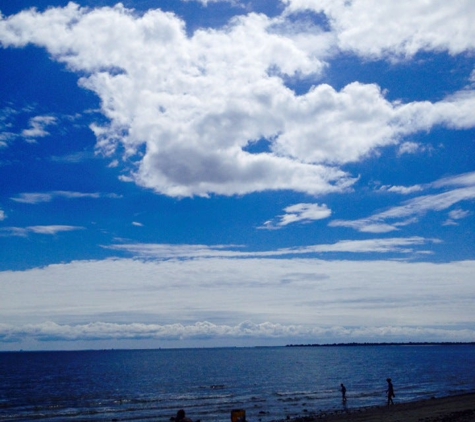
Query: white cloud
[408,148]
[403,190]
[196,102]
[2,215]
[455,215]
[458,214]
[412,148]
[37,127]
[300,213]
[174,298]
[401,28]
[47,230]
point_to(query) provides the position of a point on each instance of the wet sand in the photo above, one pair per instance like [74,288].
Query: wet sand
[455,408]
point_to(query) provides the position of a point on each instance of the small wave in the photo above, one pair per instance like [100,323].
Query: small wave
[204,397]
[294,393]
[366,394]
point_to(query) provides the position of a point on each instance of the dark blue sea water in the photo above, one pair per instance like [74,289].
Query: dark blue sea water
[269,383]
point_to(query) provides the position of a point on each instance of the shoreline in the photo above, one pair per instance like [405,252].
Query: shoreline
[457,408]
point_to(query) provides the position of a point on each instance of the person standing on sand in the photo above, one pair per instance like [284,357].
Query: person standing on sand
[390,391]
[343,393]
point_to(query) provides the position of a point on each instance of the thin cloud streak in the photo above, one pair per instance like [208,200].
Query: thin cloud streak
[36,198]
[45,230]
[411,210]
[403,190]
[167,251]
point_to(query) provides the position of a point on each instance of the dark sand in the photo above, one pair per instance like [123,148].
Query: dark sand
[455,408]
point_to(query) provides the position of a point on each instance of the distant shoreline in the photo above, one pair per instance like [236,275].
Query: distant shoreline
[354,344]
[444,343]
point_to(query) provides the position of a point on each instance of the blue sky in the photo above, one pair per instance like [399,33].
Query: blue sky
[230,173]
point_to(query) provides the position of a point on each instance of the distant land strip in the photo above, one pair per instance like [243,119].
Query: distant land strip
[411,343]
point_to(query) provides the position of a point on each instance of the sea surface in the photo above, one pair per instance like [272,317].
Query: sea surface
[269,383]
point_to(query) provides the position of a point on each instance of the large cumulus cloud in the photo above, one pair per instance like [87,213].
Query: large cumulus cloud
[184,110]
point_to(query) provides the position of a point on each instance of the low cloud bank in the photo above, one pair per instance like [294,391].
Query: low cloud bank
[50,331]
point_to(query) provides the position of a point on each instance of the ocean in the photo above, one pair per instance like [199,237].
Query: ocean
[269,383]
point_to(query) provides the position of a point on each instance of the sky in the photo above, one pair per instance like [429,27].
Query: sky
[210,173]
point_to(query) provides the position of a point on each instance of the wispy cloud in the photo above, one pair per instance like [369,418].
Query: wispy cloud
[46,230]
[403,190]
[299,213]
[76,157]
[410,211]
[402,245]
[12,126]
[458,214]
[39,197]
[37,127]
[466,179]
[6,133]
[412,148]
[455,215]
[166,251]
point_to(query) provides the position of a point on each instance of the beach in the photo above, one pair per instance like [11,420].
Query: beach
[459,408]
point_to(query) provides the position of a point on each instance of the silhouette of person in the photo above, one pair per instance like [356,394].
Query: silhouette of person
[343,393]
[181,416]
[390,391]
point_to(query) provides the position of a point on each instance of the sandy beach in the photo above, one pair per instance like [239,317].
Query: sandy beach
[455,408]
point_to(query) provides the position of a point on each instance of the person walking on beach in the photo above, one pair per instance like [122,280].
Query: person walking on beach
[343,393]
[390,391]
